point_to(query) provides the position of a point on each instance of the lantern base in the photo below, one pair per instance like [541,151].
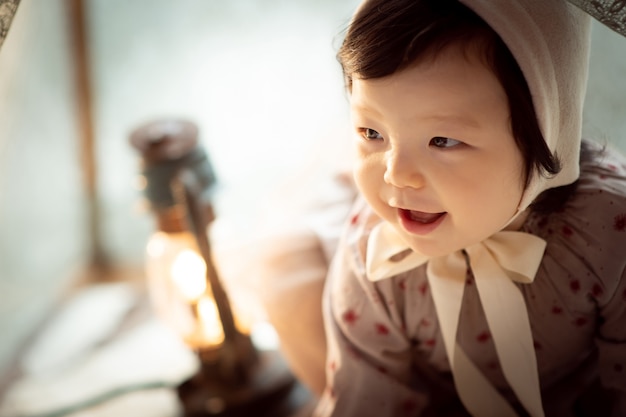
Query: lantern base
[269,391]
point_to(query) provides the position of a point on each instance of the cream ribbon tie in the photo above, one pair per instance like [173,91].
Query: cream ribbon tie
[496,262]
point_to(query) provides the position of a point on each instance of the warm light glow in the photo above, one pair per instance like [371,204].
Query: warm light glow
[188,272]
[210,325]
[182,295]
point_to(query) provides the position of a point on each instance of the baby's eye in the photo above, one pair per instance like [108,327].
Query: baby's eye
[441,142]
[370,134]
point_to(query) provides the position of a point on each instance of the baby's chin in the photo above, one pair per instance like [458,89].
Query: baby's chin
[428,246]
[440,244]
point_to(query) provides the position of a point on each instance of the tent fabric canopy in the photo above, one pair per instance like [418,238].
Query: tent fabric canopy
[7,11]
[612,13]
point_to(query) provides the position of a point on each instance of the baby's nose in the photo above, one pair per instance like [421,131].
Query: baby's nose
[403,170]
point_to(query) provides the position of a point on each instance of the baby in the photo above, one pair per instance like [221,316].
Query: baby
[482,270]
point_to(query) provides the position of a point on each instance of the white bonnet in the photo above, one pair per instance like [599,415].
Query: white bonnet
[550,40]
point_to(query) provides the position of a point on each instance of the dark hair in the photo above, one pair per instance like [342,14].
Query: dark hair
[387,36]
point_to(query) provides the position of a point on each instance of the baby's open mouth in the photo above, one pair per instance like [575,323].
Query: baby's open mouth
[421,217]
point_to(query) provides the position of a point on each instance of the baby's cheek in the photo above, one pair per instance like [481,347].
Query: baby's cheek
[364,173]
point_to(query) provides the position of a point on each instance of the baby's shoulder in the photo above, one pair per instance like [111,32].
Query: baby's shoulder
[599,199]
[603,173]
[599,202]
[587,236]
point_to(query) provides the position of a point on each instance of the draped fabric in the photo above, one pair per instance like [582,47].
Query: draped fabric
[7,11]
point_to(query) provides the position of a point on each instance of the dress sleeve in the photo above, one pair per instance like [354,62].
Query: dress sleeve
[369,355]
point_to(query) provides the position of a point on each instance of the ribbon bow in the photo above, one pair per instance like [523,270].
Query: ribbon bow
[497,261]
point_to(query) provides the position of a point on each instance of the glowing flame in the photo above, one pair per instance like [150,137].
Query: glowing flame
[210,324]
[188,271]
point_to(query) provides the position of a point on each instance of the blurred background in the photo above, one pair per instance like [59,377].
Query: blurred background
[259,78]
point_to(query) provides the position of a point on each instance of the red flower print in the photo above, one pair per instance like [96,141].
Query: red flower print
[567,231]
[557,310]
[430,342]
[612,167]
[423,288]
[619,223]
[354,219]
[402,284]
[483,337]
[596,290]
[381,329]
[332,366]
[426,322]
[574,286]
[580,321]
[381,369]
[350,317]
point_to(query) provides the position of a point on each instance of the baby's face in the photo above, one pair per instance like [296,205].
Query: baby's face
[435,152]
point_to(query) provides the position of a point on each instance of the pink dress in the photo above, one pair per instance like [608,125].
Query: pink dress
[385,350]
